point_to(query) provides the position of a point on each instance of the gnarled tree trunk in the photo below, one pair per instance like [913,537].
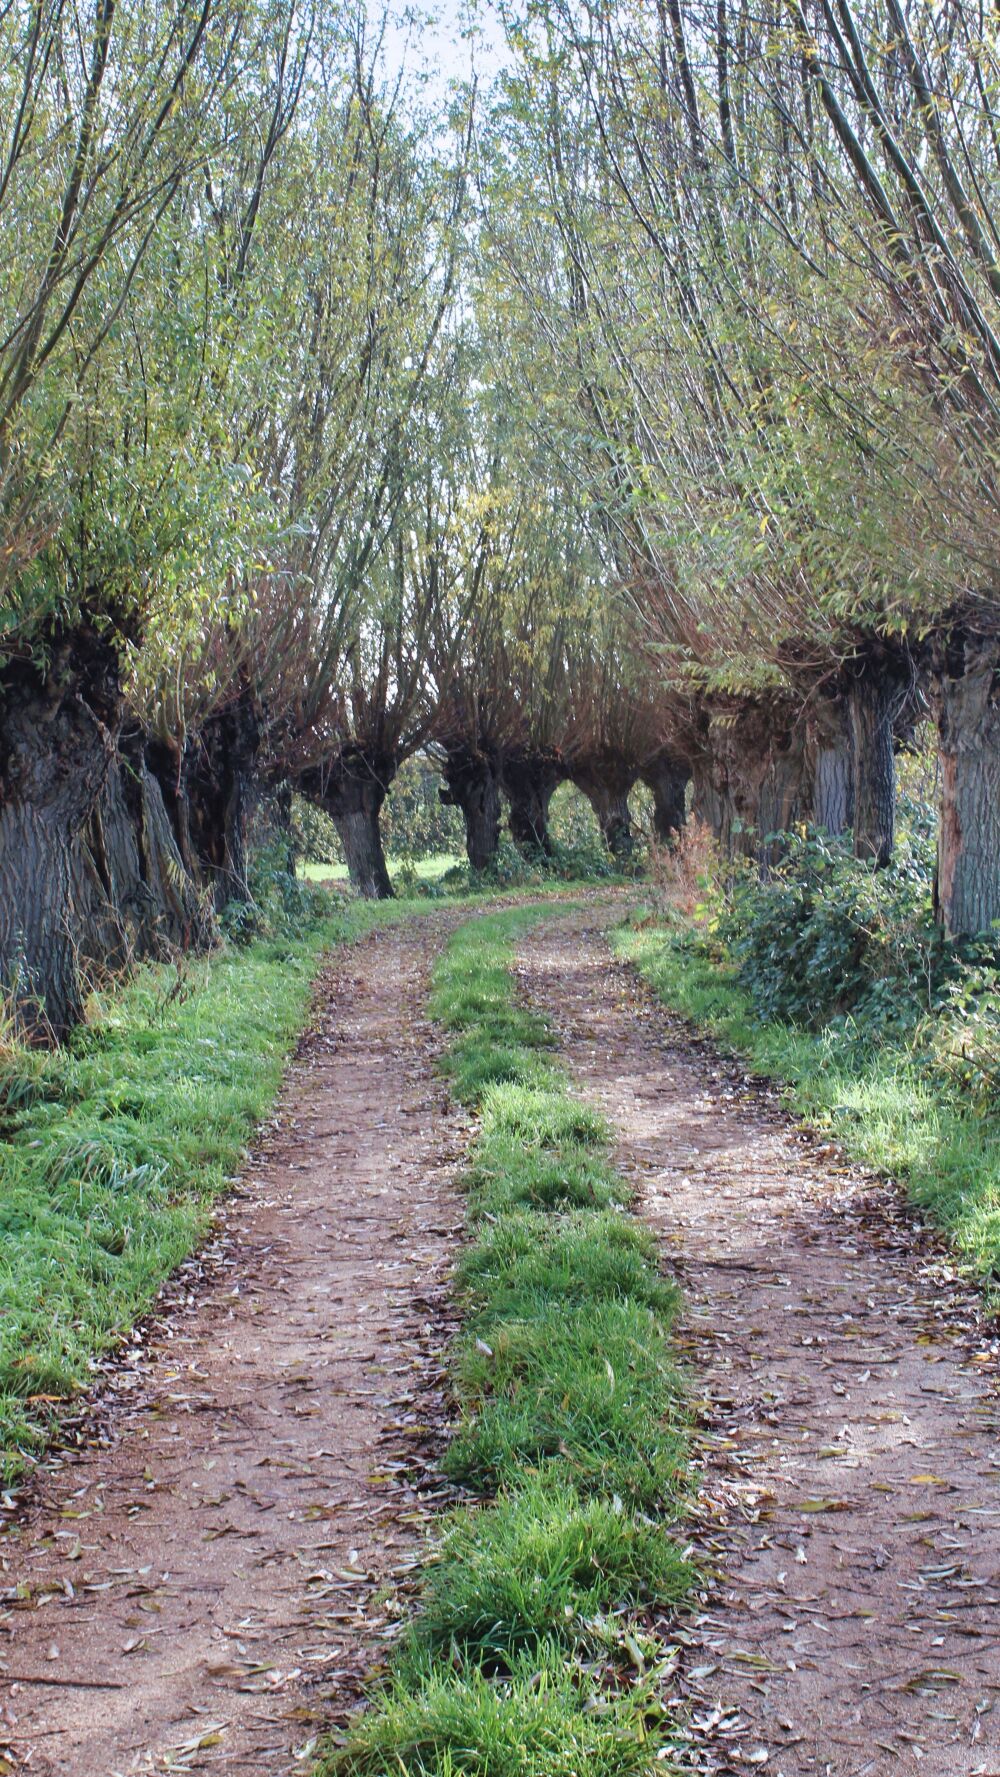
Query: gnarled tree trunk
[965,691]
[59,726]
[729,775]
[530,781]
[352,788]
[878,683]
[171,913]
[472,783]
[606,786]
[667,776]
[784,796]
[831,765]
[220,784]
[750,778]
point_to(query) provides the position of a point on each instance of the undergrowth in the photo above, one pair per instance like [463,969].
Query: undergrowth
[841,988]
[534,1652]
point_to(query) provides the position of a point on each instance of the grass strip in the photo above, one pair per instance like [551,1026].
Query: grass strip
[540,1599]
[885,1110]
[114,1148]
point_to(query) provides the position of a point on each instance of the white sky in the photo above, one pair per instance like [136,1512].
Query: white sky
[442,42]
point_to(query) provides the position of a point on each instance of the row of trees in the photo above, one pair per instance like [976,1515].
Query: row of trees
[266,522]
[756,257]
[639,422]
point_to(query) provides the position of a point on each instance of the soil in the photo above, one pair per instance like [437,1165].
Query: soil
[848,1513]
[196,1591]
[201,1586]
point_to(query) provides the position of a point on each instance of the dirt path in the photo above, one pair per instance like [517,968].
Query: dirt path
[852,1490]
[213,1568]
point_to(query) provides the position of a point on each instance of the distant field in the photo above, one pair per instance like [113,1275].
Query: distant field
[427,869]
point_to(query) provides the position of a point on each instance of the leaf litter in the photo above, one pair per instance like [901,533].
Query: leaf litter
[829,1333]
[244,1492]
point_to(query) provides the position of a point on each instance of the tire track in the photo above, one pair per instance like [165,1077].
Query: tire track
[198,1596]
[850,1499]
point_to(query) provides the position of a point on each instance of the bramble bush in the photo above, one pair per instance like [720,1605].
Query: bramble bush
[281,905]
[830,939]
[829,943]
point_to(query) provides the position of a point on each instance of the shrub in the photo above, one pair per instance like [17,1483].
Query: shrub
[828,938]
[281,905]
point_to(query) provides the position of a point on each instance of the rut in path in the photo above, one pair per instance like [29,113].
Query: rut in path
[852,1485]
[210,1567]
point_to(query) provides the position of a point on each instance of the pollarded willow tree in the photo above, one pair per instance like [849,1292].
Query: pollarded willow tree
[348,420]
[111,117]
[790,470]
[503,661]
[620,727]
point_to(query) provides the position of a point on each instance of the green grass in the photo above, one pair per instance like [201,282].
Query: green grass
[571,1431]
[886,1111]
[113,1150]
[539,1722]
[542,1564]
[429,869]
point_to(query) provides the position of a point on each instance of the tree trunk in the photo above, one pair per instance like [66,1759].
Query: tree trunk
[180,918]
[473,785]
[151,907]
[219,783]
[707,799]
[667,775]
[783,797]
[607,791]
[877,687]
[615,821]
[965,690]
[361,838]
[58,730]
[352,788]
[530,783]
[729,779]
[125,920]
[833,773]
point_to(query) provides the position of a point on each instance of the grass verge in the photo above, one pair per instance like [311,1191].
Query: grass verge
[886,1111]
[535,1648]
[113,1149]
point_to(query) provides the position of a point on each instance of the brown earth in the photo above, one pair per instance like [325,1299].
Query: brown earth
[198,1595]
[850,1503]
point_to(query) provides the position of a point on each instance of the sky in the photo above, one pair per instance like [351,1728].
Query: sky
[443,42]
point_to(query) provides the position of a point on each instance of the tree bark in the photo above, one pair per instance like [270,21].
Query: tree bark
[59,725]
[361,838]
[965,692]
[707,798]
[783,798]
[877,687]
[352,788]
[832,766]
[606,788]
[472,784]
[729,776]
[667,775]
[750,778]
[219,782]
[530,783]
